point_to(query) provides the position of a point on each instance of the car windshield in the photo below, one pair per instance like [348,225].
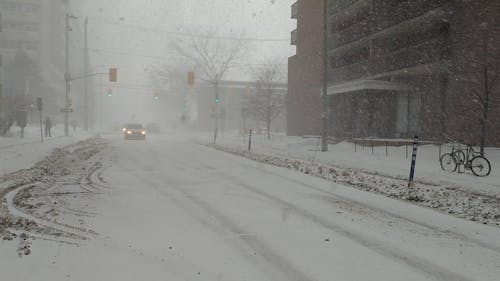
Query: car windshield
[250,140]
[134,126]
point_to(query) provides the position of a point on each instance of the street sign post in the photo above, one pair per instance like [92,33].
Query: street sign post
[413,162]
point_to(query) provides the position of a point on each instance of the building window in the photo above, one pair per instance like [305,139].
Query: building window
[21,27]
[408,114]
[20,7]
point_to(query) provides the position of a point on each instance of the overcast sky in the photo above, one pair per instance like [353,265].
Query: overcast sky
[265,19]
[130,35]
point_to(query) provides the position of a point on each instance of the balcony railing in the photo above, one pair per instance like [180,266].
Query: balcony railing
[295,10]
[421,54]
[380,26]
[293,37]
[353,33]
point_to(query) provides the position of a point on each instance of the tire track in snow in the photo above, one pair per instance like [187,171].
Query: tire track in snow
[78,232]
[380,247]
[346,200]
[14,211]
[285,269]
[280,267]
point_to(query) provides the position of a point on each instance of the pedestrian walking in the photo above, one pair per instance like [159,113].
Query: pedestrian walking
[48,127]
[73,124]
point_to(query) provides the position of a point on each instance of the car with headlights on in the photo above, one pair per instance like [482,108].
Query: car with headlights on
[134,132]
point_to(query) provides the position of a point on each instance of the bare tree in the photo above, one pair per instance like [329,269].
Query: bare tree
[268,102]
[478,74]
[213,56]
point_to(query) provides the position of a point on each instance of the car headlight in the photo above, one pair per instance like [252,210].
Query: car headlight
[129,132]
[124,129]
[143,132]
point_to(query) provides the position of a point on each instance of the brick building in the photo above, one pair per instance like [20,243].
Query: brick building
[399,68]
[305,69]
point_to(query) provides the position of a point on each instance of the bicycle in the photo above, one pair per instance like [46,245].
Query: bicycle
[470,160]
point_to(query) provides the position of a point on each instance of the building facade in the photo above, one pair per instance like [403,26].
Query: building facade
[234,102]
[305,69]
[2,110]
[402,68]
[32,44]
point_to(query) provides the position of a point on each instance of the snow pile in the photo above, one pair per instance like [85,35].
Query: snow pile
[36,186]
[474,206]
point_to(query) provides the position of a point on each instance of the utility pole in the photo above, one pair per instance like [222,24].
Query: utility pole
[486,102]
[100,103]
[66,80]
[217,100]
[324,96]
[85,85]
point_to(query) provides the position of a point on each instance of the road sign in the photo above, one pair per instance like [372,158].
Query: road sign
[67,110]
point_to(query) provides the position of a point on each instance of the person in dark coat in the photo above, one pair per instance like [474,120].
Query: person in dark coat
[48,127]
[73,124]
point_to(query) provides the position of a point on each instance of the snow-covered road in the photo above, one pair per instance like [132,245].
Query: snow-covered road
[176,210]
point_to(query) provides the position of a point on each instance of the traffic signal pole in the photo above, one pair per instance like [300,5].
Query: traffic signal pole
[216,117]
[324,96]
[85,85]
[67,80]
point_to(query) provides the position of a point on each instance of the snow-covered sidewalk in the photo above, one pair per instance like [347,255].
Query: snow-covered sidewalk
[17,153]
[478,202]
[394,164]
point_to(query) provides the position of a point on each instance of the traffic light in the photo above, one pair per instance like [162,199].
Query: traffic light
[217,100]
[109,93]
[39,104]
[113,75]
[156,96]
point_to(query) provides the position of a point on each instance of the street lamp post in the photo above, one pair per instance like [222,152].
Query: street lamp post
[85,85]
[67,78]
[324,96]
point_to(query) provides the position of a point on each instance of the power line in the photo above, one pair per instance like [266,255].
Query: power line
[184,34]
[115,52]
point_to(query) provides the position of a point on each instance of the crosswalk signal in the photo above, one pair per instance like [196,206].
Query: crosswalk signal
[39,104]
[113,75]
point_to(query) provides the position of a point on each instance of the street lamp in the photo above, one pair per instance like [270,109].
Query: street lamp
[67,78]
[324,96]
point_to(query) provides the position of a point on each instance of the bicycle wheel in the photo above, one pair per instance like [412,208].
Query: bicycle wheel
[480,166]
[448,163]
[460,156]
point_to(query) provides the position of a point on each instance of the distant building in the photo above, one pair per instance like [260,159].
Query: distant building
[2,101]
[35,29]
[403,68]
[233,101]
